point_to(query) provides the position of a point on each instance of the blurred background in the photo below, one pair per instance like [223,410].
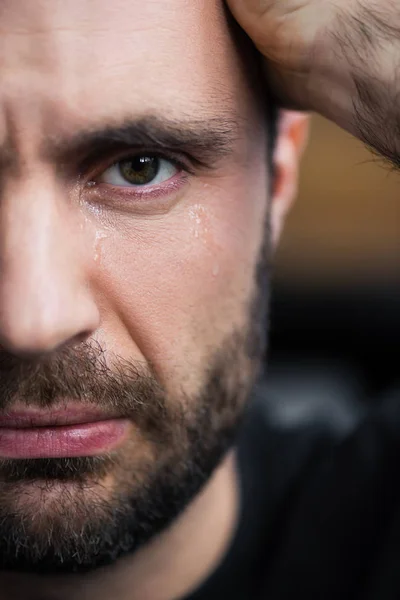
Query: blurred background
[335,321]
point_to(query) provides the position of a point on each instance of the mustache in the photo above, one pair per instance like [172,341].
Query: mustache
[81,373]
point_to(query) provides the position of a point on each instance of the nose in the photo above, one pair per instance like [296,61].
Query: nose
[45,299]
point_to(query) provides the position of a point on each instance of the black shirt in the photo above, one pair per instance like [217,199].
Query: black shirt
[320,511]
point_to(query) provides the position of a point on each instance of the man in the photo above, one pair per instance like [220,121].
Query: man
[139,203]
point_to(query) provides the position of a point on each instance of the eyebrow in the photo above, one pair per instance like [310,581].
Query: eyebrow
[203,140]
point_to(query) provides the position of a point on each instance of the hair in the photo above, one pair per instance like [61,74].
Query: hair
[258,79]
[272,119]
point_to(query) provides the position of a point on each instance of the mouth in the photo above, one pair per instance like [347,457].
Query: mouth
[71,431]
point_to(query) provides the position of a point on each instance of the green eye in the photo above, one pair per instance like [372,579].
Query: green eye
[140,170]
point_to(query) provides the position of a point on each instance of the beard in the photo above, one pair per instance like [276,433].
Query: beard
[77,514]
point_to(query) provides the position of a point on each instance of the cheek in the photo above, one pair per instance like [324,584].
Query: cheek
[172,287]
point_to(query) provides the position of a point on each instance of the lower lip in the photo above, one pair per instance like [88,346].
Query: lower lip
[84,439]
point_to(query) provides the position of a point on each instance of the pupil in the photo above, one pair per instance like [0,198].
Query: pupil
[139,170]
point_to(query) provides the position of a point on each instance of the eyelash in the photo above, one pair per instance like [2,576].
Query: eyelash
[185,170]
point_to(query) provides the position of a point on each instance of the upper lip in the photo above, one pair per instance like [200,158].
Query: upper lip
[69,415]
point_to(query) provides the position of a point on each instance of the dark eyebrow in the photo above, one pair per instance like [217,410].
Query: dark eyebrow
[203,140]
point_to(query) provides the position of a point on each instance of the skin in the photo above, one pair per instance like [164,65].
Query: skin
[159,279]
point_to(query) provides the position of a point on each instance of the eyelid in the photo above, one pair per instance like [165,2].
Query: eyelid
[146,200]
[95,165]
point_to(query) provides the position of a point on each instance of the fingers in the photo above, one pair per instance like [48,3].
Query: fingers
[284,31]
[256,7]
[259,18]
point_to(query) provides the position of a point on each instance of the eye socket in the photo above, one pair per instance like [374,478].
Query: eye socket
[139,171]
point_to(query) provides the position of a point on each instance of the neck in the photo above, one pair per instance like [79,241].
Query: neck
[169,567]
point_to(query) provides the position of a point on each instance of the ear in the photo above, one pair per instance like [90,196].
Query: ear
[293,129]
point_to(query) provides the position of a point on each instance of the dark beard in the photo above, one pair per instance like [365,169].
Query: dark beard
[187,442]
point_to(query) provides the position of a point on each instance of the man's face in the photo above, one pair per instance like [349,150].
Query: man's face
[132,218]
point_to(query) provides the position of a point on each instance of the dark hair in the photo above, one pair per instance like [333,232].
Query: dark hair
[255,68]
[272,119]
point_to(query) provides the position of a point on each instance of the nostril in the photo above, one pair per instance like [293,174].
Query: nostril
[39,334]
[81,337]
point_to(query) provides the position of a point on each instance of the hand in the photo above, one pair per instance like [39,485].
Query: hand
[291,34]
[340,58]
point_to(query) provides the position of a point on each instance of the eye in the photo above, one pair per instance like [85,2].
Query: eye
[139,171]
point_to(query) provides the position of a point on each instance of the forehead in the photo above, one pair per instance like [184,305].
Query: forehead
[85,59]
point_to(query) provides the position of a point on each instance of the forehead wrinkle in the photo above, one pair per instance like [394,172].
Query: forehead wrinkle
[68,95]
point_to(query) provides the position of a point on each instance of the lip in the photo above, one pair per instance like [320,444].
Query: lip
[66,432]
[70,415]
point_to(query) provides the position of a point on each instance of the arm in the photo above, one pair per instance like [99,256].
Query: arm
[340,58]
